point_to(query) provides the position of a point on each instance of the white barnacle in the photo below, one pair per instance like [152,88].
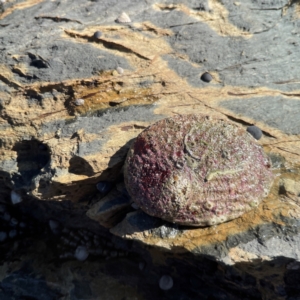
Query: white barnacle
[79,102]
[120,70]
[123,18]
[254,203]
[208,205]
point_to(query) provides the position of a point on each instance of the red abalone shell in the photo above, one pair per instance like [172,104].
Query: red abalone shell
[197,170]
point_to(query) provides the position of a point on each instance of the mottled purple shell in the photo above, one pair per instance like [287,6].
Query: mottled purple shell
[197,170]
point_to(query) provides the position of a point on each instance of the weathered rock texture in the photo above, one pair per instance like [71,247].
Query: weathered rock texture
[56,151]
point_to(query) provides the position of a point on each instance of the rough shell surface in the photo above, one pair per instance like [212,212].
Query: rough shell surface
[196,170]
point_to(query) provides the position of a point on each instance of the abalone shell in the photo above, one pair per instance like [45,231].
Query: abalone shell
[197,170]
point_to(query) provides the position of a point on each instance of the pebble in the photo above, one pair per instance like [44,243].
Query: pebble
[166,282]
[81,253]
[255,131]
[79,102]
[97,35]
[15,197]
[206,77]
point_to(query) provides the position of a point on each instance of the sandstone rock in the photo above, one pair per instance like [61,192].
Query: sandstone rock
[291,188]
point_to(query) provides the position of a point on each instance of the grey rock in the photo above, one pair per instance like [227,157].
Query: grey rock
[276,246]
[167,232]
[275,111]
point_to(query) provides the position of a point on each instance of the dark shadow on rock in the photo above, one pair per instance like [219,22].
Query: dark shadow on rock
[121,154]
[32,156]
[24,284]
[85,190]
[140,221]
[195,275]
[202,277]
[80,166]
